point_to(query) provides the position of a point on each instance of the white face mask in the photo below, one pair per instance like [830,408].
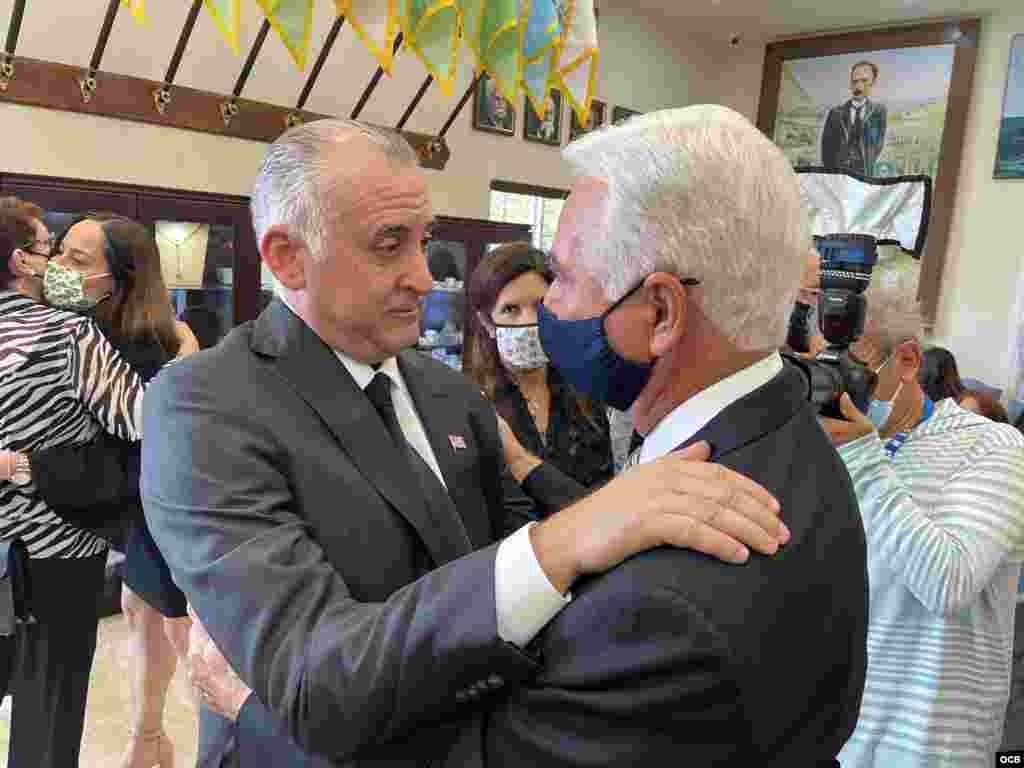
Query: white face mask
[519,347]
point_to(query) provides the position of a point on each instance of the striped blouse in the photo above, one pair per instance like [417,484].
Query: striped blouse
[944,520]
[61,382]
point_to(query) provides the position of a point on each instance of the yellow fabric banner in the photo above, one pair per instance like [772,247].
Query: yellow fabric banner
[292,20]
[431,29]
[226,16]
[376,24]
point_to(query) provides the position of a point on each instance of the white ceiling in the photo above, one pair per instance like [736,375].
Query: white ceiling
[771,19]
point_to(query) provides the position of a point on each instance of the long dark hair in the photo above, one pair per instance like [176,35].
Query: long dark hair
[496,270]
[140,306]
[939,377]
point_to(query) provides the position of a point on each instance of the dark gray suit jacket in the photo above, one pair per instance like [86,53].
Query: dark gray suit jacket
[282,507]
[840,150]
[675,658]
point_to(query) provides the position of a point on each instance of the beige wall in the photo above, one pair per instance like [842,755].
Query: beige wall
[646,64]
[985,257]
[736,76]
[643,66]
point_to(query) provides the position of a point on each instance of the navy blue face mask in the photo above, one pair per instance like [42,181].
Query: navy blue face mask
[581,352]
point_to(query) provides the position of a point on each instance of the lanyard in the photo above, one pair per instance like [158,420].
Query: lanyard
[896,441]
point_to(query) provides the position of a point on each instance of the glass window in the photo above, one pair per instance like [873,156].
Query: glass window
[539,211]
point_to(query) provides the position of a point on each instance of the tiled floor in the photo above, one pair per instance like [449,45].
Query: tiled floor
[106,716]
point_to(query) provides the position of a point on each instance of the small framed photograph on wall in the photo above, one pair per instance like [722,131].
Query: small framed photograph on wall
[595,120]
[623,113]
[491,111]
[548,130]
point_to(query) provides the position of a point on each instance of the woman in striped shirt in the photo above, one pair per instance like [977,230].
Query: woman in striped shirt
[61,383]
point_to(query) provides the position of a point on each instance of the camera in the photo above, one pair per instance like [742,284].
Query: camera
[851,215]
[846,265]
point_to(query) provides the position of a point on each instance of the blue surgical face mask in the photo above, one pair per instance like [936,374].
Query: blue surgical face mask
[879,411]
[581,352]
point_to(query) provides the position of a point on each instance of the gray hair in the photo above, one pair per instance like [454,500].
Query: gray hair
[701,193]
[893,313]
[295,180]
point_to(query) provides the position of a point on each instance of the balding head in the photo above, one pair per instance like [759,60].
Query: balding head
[306,164]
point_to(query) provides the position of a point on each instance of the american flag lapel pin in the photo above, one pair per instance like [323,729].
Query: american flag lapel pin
[458,441]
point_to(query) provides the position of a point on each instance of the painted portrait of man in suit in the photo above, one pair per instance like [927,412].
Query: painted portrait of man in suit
[854,131]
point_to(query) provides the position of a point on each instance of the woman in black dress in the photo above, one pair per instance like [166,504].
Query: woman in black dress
[108,267]
[547,417]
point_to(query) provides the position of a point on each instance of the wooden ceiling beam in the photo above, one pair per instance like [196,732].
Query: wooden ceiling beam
[87,83]
[459,107]
[332,36]
[415,102]
[162,95]
[372,85]
[55,86]
[13,30]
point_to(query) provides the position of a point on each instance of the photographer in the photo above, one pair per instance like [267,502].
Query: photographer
[941,493]
[803,336]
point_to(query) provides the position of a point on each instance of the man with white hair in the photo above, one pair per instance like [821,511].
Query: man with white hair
[331,501]
[677,257]
[941,491]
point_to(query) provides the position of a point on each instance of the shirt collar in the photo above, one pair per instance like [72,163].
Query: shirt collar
[361,372]
[690,417]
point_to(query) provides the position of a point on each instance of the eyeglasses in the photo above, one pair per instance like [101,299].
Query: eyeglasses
[30,247]
[40,247]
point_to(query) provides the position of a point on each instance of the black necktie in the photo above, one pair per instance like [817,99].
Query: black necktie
[435,495]
[858,122]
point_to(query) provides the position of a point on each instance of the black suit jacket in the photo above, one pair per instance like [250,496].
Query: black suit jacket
[675,658]
[278,498]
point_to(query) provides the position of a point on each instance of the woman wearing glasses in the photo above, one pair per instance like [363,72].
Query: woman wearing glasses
[108,267]
[61,383]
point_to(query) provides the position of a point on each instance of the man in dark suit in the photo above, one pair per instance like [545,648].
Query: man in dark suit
[854,132]
[331,501]
[672,657]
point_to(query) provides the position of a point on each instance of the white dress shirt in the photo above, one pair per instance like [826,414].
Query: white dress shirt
[690,417]
[855,108]
[525,599]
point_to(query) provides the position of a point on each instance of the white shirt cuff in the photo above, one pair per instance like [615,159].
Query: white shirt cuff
[525,599]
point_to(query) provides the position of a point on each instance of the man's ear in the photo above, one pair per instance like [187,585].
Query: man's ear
[285,257]
[19,264]
[671,304]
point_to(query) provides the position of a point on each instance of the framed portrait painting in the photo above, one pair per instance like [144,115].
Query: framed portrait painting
[879,104]
[595,120]
[1010,153]
[546,131]
[491,111]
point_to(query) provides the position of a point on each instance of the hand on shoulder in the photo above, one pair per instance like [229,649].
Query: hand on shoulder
[680,500]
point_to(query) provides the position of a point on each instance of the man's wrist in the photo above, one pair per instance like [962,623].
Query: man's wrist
[552,543]
[240,700]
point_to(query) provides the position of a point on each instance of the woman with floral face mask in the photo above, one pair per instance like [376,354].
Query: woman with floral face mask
[108,267]
[541,415]
[62,384]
